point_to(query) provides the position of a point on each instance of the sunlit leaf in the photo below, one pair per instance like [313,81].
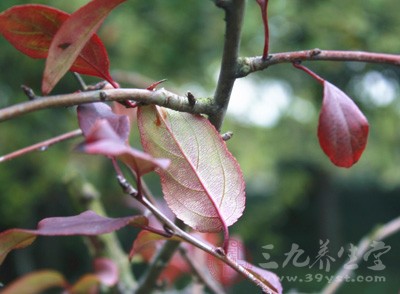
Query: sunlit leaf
[204,185]
[71,38]
[30,28]
[88,283]
[343,128]
[36,282]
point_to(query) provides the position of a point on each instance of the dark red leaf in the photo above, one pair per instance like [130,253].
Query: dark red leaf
[343,128]
[102,139]
[88,114]
[86,223]
[71,38]
[30,28]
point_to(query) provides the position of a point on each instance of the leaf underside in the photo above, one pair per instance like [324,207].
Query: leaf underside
[342,129]
[203,185]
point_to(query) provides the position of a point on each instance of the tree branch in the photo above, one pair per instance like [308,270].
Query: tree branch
[184,236]
[248,65]
[41,145]
[158,264]
[381,233]
[234,12]
[160,97]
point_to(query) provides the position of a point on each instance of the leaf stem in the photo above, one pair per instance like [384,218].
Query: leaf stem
[309,72]
[264,13]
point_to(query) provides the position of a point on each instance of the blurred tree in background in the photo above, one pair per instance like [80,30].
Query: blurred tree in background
[294,194]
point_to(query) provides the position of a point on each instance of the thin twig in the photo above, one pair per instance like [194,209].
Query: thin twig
[203,276]
[253,64]
[381,233]
[234,12]
[202,245]
[160,261]
[42,145]
[160,97]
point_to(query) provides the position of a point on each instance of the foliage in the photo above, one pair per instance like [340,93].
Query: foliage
[201,181]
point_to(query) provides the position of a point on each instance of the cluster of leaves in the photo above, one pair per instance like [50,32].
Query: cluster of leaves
[201,181]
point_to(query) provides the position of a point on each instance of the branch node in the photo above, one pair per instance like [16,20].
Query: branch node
[103,96]
[170,232]
[220,251]
[127,187]
[227,136]
[191,99]
[28,92]
[315,52]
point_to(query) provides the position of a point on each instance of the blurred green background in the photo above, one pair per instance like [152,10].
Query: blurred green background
[294,194]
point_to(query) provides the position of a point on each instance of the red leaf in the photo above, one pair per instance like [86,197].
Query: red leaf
[88,114]
[71,38]
[86,223]
[147,243]
[106,271]
[36,282]
[30,28]
[204,185]
[102,139]
[343,128]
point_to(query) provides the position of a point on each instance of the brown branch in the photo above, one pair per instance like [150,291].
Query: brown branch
[41,145]
[253,64]
[381,233]
[160,97]
[234,12]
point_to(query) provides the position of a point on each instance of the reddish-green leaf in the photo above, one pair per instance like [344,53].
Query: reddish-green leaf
[71,38]
[36,282]
[343,128]
[86,223]
[204,185]
[30,28]
[14,239]
[146,245]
